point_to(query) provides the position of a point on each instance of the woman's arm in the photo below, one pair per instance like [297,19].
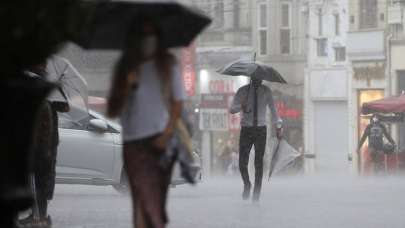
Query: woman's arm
[364,137]
[174,115]
[175,106]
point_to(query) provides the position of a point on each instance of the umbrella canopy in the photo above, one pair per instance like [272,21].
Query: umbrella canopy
[285,155]
[394,104]
[252,69]
[112,21]
[73,87]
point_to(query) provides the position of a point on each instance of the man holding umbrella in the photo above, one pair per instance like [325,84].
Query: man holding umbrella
[252,101]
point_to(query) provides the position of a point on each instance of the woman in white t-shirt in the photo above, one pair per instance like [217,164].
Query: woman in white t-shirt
[137,96]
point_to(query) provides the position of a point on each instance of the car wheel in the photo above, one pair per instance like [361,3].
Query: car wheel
[123,186]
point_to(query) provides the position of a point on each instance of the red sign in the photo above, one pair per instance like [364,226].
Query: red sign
[286,112]
[221,86]
[188,69]
[216,101]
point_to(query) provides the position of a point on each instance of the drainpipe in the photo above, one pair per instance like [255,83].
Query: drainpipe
[389,78]
[388,67]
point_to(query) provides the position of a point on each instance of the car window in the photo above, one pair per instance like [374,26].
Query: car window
[76,118]
[67,122]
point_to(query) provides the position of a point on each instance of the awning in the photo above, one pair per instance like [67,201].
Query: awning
[395,104]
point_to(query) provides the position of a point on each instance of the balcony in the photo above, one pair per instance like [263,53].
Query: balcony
[366,45]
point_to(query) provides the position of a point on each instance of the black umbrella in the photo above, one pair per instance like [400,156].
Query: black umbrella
[252,69]
[110,23]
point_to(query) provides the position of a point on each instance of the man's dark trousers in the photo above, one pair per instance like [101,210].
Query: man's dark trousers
[250,136]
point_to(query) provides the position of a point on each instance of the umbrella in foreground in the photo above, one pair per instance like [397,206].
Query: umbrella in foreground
[252,69]
[283,156]
[73,87]
[112,21]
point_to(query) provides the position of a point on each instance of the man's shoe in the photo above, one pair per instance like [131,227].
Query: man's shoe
[246,192]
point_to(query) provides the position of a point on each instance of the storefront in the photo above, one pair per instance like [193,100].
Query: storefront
[220,129]
[364,96]
[290,109]
[369,83]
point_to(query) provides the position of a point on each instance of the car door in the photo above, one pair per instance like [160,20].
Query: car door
[83,152]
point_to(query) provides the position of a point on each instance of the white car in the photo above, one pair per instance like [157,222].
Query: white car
[90,153]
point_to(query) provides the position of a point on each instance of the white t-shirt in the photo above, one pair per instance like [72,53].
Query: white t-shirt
[145,113]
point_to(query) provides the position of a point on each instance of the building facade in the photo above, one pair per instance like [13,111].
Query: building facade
[229,38]
[279,37]
[326,85]
[396,65]
[370,78]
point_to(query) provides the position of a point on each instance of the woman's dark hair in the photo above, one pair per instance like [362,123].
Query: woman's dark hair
[130,60]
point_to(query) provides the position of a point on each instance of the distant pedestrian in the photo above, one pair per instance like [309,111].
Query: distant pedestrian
[224,158]
[234,164]
[252,100]
[148,115]
[375,133]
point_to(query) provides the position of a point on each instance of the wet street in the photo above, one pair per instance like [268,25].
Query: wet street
[286,202]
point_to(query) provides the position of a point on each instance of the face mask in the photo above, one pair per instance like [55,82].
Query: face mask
[149,46]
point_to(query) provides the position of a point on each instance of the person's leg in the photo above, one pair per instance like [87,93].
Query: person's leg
[145,178]
[379,162]
[245,145]
[167,179]
[42,183]
[260,147]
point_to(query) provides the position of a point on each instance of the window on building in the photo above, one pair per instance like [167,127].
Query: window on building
[285,41]
[337,24]
[368,14]
[263,16]
[320,22]
[285,29]
[322,47]
[340,54]
[285,15]
[236,14]
[263,42]
[262,29]
[219,16]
